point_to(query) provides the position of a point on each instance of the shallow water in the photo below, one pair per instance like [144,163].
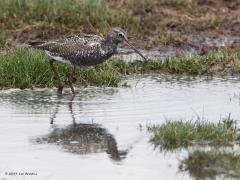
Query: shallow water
[100,133]
[129,55]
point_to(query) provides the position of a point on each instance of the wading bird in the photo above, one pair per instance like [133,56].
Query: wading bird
[82,50]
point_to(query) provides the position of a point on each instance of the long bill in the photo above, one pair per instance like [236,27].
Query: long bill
[137,51]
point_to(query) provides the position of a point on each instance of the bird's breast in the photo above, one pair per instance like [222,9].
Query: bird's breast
[91,57]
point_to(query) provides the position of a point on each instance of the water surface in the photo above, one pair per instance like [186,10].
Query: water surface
[100,133]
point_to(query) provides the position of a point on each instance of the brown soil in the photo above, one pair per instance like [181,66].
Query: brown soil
[199,24]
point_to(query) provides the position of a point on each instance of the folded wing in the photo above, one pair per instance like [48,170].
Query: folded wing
[79,47]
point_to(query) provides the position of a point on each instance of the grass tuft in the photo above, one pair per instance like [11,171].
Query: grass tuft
[27,69]
[214,62]
[181,134]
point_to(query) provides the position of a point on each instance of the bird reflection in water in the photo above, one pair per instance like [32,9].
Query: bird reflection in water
[83,138]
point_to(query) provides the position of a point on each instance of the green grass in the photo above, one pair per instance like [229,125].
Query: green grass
[22,68]
[93,15]
[72,14]
[172,135]
[26,69]
[210,164]
[214,62]
[67,12]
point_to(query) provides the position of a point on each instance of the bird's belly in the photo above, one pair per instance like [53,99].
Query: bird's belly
[58,58]
[91,59]
[84,58]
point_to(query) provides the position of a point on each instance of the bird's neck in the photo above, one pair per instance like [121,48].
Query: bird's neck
[109,45]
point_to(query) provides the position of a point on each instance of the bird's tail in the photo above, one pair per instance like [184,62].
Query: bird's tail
[32,44]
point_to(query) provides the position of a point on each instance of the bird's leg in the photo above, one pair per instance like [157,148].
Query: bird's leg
[56,76]
[69,81]
[73,76]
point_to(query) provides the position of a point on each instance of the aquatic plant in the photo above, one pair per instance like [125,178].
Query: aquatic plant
[172,135]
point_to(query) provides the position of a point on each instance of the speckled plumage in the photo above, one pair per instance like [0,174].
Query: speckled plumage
[79,50]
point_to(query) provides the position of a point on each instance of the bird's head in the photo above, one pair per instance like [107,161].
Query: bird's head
[118,35]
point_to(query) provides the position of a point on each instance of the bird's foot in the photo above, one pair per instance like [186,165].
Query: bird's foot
[74,79]
[72,89]
[60,89]
[70,84]
[56,77]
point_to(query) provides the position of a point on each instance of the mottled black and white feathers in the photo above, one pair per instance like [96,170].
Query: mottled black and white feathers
[82,49]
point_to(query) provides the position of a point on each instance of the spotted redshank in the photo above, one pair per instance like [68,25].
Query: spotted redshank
[82,50]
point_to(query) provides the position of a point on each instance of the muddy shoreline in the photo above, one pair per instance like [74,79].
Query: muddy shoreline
[196,43]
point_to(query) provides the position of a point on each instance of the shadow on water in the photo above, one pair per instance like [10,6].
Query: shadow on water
[45,100]
[82,138]
[212,164]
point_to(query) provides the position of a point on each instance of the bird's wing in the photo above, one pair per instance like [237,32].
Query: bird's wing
[81,38]
[70,46]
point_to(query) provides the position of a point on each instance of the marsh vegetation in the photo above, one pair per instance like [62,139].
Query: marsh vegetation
[172,135]
[149,25]
[206,143]
[24,68]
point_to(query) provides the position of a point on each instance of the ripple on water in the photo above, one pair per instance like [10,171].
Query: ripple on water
[98,124]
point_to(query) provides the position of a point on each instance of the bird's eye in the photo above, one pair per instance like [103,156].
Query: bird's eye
[121,35]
